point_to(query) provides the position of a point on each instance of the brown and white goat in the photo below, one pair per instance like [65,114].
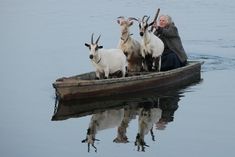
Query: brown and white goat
[129,46]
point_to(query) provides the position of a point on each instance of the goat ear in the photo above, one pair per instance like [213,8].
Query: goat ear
[100,47]
[131,23]
[118,21]
[87,45]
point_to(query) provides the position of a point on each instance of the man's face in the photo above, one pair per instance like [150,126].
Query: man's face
[163,21]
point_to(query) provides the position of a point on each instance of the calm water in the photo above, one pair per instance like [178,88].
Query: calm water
[43,40]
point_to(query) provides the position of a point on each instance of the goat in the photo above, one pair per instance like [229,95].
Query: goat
[129,46]
[147,117]
[129,114]
[151,45]
[106,61]
[101,121]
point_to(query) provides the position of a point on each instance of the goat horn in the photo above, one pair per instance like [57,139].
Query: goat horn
[147,19]
[132,18]
[98,39]
[121,17]
[94,147]
[144,17]
[88,147]
[92,38]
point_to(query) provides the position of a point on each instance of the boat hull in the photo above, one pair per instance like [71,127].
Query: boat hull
[78,87]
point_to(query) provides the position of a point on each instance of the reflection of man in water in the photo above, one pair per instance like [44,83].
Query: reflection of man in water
[168,105]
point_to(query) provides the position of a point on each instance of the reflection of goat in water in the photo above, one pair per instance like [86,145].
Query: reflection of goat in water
[129,114]
[90,138]
[147,117]
[101,121]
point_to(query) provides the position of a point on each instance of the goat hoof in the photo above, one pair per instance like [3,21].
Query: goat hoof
[105,77]
[97,78]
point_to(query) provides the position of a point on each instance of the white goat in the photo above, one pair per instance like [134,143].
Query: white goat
[101,121]
[151,45]
[147,118]
[129,46]
[106,61]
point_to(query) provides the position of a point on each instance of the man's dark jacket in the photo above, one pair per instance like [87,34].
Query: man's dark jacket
[171,39]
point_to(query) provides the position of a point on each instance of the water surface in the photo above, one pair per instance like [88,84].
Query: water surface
[43,40]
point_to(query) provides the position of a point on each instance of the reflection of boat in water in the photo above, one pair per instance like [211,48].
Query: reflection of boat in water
[76,108]
[85,85]
[152,109]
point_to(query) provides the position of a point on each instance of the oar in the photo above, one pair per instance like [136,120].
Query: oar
[155,18]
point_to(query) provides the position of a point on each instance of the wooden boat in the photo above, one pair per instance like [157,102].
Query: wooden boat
[86,86]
